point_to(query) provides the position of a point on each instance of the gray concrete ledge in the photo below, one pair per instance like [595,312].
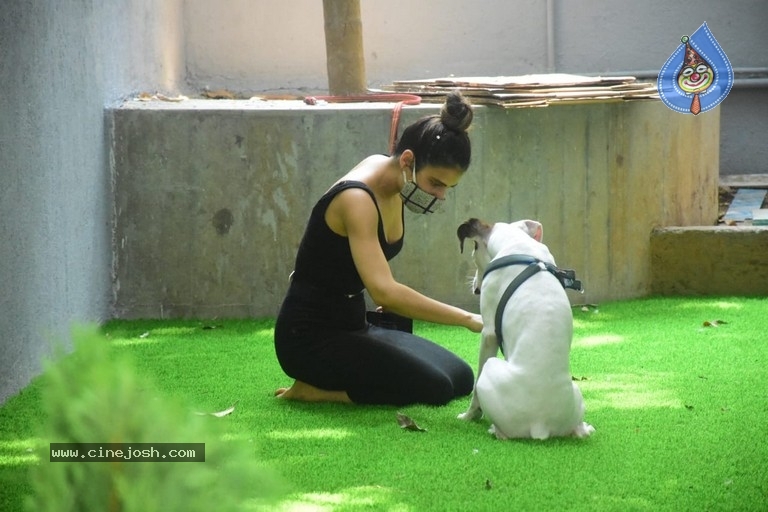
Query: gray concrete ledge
[209,105]
[716,260]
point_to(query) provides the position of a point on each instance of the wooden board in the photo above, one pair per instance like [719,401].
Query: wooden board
[539,90]
[521,81]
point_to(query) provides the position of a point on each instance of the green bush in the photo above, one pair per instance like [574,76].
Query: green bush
[92,396]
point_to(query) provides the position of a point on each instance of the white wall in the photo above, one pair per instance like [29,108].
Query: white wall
[61,63]
[272,45]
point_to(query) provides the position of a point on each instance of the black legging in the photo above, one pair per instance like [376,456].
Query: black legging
[326,342]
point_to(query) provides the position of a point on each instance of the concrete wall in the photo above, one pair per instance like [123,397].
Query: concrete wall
[274,45]
[744,131]
[721,260]
[212,196]
[60,64]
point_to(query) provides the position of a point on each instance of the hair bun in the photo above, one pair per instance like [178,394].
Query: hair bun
[456,113]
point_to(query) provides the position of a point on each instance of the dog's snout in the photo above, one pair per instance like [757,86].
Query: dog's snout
[476,282]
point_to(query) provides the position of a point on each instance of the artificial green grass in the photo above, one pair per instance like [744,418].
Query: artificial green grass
[680,411]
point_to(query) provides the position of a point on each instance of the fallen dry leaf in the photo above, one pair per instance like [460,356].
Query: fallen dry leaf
[148,96]
[408,424]
[219,414]
[714,323]
[219,94]
[175,99]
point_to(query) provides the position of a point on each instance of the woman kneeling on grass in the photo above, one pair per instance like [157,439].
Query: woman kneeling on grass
[322,337]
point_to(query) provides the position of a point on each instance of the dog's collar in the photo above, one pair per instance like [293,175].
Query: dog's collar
[510,259]
[567,278]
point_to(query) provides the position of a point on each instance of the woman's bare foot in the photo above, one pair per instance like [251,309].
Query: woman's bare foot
[304,392]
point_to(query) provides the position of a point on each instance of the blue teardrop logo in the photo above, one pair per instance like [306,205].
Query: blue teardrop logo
[697,76]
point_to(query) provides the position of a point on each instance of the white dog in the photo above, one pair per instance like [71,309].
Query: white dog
[530,393]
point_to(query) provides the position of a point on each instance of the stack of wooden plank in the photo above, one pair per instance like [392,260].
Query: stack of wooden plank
[529,90]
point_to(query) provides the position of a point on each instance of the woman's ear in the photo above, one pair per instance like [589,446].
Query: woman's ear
[407,159]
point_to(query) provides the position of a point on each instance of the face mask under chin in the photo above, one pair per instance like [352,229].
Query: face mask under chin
[417,199]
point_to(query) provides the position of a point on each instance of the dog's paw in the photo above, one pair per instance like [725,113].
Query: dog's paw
[498,433]
[583,430]
[471,415]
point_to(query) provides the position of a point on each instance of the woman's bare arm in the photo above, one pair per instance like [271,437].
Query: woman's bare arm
[359,216]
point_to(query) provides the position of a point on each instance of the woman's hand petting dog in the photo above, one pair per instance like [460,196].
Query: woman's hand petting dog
[475,322]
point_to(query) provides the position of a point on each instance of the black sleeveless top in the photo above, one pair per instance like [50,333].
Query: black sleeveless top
[324,259]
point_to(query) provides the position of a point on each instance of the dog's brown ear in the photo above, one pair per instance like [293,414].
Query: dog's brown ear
[463,233]
[470,229]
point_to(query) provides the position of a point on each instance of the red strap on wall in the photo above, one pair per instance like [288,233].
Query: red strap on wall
[400,99]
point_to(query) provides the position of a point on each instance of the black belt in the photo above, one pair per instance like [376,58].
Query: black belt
[301,285]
